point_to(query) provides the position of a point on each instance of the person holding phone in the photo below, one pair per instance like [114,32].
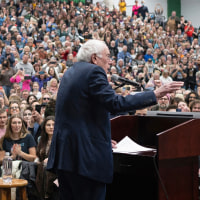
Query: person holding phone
[22,79]
[5,74]
[42,78]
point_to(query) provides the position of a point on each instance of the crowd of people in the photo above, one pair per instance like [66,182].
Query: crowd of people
[39,41]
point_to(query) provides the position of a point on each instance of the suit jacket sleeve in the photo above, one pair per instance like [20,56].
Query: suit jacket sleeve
[103,93]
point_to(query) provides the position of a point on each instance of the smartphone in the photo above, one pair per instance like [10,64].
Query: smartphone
[27,77]
[178,110]
[45,85]
[38,108]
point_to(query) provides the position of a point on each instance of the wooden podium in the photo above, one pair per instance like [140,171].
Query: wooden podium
[169,173]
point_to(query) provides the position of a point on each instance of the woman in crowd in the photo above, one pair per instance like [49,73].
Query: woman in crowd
[27,114]
[18,141]
[53,86]
[45,183]
[14,108]
[135,8]
[53,73]
[31,98]
[191,97]
[35,90]
[195,105]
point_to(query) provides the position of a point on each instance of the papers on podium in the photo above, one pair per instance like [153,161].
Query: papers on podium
[127,145]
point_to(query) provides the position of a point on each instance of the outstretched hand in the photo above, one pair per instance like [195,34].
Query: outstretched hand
[168,88]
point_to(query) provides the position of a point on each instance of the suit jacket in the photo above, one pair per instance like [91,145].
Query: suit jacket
[81,141]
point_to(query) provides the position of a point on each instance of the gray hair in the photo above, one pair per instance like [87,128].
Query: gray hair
[90,47]
[198,74]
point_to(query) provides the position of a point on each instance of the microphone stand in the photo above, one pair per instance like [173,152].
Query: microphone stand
[118,85]
[122,84]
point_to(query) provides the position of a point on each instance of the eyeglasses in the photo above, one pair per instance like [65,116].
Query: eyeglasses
[46,98]
[163,99]
[27,114]
[14,107]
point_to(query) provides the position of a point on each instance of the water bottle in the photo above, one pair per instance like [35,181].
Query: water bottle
[7,169]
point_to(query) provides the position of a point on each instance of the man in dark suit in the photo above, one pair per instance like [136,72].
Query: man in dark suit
[81,149]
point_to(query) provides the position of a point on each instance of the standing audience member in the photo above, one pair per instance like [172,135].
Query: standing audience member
[135,8]
[122,7]
[143,10]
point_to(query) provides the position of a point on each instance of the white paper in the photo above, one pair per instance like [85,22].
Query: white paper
[127,145]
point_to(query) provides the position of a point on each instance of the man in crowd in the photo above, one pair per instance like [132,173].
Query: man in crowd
[25,66]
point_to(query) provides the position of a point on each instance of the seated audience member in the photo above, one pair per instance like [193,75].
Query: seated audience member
[191,97]
[23,105]
[31,98]
[37,119]
[53,86]
[154,81]
[182,105]
[3,121]
[3,98]
[25,94]
[14,108]
[171,108]
[142,112]
[195,105]
[53,73]
[46,97]
[163,103]
[27,114]
[165,78]
[18,141]
[35,90]
[45,179]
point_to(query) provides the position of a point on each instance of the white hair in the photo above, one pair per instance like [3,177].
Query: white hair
[90,47]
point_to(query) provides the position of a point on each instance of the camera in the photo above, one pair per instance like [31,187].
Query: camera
[27,77]
[53,63]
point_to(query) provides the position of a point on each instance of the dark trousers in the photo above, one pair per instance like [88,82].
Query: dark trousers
[75,187]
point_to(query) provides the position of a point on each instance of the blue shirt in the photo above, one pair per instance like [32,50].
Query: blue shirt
[126,56]
[40,81]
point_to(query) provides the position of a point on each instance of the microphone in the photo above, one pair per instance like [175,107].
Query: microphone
[115,77]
